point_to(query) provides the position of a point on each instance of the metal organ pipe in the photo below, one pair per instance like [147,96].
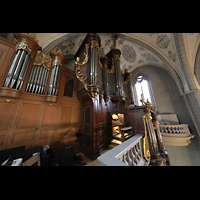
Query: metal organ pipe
[37,80]
[18,70]
[119,83]
[26,50]
[58,62]
[39,74]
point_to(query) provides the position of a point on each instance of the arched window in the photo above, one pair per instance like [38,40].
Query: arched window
[142,89]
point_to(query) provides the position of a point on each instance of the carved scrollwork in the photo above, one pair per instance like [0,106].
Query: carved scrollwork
[79,74]
[146,145]
[43,59]
[25,47]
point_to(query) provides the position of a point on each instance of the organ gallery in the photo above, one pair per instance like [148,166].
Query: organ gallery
[105,98]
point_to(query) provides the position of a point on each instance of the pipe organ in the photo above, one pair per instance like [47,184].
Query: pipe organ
[39,74]
[58,61]
[26,50]
[99,92]
[93,73]
[33,72]
[119,83]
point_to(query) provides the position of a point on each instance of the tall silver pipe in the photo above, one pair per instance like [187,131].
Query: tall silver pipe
[58,81]
[35,78]
[55,80]
[23,71]
[119,84]
[12,68]
[38,78]
[32,78]
[151,138]
[93,67]
[45,82]
[18,67]
[159,137]
[41,79]
[51,80]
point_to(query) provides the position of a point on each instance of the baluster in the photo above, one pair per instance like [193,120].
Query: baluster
[132,156]
[124,159]
[130,161]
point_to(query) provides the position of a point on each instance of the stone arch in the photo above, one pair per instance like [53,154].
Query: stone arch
[197,65]
[169,68]
[177,78]
[166,93]
[56,42]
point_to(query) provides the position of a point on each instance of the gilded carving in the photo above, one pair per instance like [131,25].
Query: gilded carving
[43,59]
[94,43]
[25,46]
[79,74]
[146,145]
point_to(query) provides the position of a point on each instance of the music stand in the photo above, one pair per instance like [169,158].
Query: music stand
[81,139]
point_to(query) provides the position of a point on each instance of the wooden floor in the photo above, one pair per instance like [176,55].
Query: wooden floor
[95,162]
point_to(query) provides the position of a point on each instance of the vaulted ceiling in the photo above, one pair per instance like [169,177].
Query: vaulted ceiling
[138,49]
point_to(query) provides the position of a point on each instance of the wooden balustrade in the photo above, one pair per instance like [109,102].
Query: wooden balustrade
[176,135]
[129,153]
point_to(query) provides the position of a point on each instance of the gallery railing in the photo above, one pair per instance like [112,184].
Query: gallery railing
[129,153]
[176,135]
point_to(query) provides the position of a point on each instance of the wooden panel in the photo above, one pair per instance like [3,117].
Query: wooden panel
[136,121]
[26,136]
[47,133]
[5,114]
[66,115]
[6,56]
[77,115]
[2,137]
[50,116]
[29,115]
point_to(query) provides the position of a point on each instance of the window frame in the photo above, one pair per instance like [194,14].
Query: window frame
[149,87]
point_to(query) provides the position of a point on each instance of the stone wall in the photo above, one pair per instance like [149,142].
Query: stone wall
[166,94]
[169,100]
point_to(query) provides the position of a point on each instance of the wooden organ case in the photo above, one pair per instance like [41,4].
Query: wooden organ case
[93,90]
[38,105]
[90,92]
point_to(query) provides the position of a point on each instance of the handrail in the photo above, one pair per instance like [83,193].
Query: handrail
[129,153]
[176,135]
